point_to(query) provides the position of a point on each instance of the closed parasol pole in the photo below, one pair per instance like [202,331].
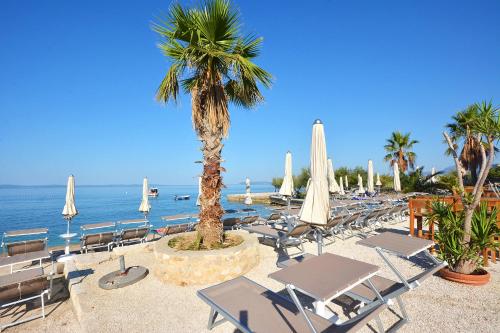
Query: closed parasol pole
[333,187]
[316,207]
[286,188]
[397,181]
[369,182]
[378,183]
[198,202]
[248,197]
[361,189]
[145,207]
[69,212]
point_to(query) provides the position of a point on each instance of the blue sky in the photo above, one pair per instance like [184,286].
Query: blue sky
[77,85]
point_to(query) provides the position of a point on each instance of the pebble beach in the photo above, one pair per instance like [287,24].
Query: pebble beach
[153,306]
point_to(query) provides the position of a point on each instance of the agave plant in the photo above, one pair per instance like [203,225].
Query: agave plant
[450,235]
[485,228]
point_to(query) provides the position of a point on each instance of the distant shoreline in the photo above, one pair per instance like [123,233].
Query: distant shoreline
[116,185]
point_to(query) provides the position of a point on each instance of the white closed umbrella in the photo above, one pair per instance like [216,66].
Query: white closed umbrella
[346,182]
[333,187]
[341,186]
[145,207]
[361,189]
[378,183]
[248,197]
[433,178]
[198,203]
[316,206]
[286,188]
[369,181]
[69,211]
[397,181]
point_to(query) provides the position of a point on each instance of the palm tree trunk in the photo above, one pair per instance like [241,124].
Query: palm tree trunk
[473,172]
[210,227]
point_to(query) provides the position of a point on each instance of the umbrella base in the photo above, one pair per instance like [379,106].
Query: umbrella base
[65,257]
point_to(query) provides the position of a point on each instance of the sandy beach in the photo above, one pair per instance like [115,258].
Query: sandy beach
[152,306]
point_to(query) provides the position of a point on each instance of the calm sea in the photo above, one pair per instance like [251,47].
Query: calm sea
[40,206]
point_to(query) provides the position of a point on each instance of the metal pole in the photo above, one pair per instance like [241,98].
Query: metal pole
[319,240]
[122,265]
[288,205]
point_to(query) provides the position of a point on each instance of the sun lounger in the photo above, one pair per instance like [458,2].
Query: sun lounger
[403,246]
[94,240]
[24,258]
[248,220]
[294,260]
[253,308]
[22,287]
[387,288]
[273,218]
[128,235]
[12,244]
[231,223]
[175,229]
[283,239]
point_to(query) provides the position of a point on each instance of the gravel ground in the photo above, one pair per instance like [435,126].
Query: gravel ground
[150,306]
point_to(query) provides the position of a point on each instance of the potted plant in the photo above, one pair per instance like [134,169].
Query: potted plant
[458,245]
[451,247]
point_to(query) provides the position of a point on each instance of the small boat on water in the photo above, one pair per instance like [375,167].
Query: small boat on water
[153,192]
[182,197]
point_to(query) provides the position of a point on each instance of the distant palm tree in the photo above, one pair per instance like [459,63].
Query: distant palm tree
[398,148]
[213,62]
[460,129]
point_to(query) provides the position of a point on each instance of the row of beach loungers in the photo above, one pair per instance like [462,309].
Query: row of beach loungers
[25,280]
[285,230]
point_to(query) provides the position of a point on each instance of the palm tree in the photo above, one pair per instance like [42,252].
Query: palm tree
[398,148]
[213,62]
[460,130]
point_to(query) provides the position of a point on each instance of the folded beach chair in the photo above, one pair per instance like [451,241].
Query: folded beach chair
[253,308]
[22,287]
[24,241]
[128,235]
[97,235]
[283,239]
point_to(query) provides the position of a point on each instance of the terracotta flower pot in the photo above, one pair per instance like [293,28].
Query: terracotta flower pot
[478,278]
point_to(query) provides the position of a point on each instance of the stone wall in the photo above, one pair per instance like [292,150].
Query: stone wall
[205,267]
